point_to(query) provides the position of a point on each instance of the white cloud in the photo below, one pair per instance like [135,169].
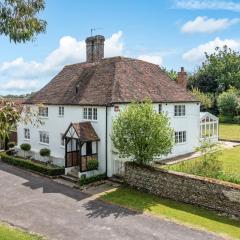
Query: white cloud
[19,85]
[152,59]
[197,54]
[208,4]
[208,25]
[18,74]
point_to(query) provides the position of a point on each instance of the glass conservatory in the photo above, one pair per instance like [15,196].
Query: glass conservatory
[208,126]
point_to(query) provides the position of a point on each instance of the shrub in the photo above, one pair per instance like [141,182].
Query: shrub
[49,170]
[84,180]
[11,144]
[25,147]
[45,152]
[227,103]
[92,164]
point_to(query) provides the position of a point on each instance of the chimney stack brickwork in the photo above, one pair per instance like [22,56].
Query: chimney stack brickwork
[182,78]
[95,48]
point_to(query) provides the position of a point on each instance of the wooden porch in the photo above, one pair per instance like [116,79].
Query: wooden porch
[81,145]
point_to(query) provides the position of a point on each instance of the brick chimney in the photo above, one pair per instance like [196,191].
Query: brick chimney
[182,78]
[95,48]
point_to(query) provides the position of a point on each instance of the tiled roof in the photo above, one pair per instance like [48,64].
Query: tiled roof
[112,80]
[85,131]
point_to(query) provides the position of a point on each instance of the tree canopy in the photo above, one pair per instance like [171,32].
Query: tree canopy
[19,19]
[141,133]
[218,72]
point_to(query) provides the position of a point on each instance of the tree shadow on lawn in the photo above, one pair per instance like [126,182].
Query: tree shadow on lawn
[143,202]
[35,181]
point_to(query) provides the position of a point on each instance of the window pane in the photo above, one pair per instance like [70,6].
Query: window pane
[90,113]
[95,113]
[159,108]
[85,113]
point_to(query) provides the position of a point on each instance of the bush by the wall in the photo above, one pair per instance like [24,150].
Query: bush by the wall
[25,147]
[84,180]
[11,144]
[28,164]
[92,164]
[45,152]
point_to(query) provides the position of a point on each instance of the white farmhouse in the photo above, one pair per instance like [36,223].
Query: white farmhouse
[80,103]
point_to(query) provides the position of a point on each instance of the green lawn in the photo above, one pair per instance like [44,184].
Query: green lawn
[230,159]
[183,213]
[10,233]
[229,131]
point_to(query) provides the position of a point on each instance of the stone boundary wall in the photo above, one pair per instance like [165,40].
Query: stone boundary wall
[209,193]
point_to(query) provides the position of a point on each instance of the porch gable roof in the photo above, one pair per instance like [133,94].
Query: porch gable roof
[84,131]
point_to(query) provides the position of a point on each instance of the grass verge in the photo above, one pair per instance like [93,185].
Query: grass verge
[11,233]
[183,213]
[230,159]
[229,131]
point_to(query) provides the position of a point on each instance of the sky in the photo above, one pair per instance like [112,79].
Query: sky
[170,33]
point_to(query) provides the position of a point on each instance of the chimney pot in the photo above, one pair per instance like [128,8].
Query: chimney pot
[182,78]
[95,48]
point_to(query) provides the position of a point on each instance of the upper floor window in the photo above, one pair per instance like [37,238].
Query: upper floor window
[44,137]
[179,110]
[61,111]
[160,108]
[90,113]
[180,137]
[26,133]
[43,111]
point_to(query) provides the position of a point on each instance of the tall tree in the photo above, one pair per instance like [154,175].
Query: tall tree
[19,19]
[218,72]
[141,134]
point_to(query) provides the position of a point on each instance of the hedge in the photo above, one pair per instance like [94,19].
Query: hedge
[84,180]
[28,164]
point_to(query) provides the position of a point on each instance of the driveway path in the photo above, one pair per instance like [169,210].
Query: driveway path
[43,206]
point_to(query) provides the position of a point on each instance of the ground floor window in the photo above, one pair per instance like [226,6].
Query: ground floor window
[44,137]
[26,133]
[180,137]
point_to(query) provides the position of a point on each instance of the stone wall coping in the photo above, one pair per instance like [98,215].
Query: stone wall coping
[183,175]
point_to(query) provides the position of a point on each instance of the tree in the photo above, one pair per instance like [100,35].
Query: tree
[228,103]
[9,116]
[205,98]
[26,147]
[171,74]
[141,133]
[45,152]
[218,72]
[19,20]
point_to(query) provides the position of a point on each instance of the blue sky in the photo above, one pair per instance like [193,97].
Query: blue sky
[171,33]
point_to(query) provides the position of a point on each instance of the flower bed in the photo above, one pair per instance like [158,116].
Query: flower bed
[45,169]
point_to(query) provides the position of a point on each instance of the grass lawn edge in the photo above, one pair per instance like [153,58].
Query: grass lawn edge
[164,217]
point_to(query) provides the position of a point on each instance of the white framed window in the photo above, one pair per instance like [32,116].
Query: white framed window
[62,140]
[26,133]
[44,137]
[179,110]
[61,111]
[43,111]
[90,113]
[160,108]
[180,137]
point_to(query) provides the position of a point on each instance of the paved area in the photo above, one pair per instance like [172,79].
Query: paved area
[59,212]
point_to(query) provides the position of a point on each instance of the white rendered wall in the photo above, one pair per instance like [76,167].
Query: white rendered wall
[57,125]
